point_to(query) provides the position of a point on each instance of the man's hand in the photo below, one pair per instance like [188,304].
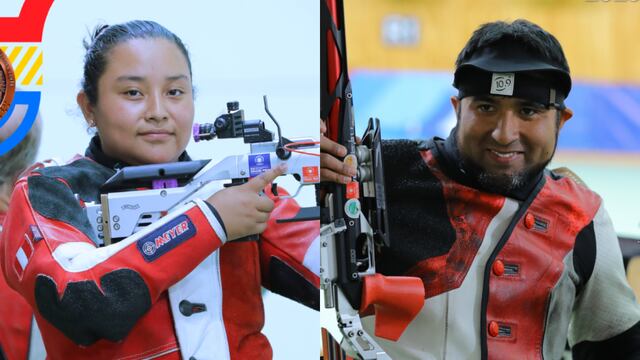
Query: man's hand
[243,211]
[331,168]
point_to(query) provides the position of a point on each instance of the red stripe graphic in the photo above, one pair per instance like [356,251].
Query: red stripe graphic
[27,246]
[27,27]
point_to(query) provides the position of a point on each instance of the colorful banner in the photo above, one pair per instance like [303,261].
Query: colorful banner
[20,40]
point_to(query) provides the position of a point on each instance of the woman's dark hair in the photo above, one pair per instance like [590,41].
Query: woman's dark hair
[535,38]
[105,37]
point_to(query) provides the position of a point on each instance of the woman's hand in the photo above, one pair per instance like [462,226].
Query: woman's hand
[331,168]
[243,211]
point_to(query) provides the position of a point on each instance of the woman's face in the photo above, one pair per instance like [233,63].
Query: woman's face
[144,111]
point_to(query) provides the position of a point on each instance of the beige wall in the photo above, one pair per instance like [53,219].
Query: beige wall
[600,39]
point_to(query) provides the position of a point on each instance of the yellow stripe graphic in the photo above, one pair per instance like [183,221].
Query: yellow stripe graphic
[14,54]
[33,71]
[25,61]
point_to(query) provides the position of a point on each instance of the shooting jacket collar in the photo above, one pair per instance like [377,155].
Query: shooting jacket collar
[94,152]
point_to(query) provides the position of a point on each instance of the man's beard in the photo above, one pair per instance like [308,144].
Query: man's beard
[500,183]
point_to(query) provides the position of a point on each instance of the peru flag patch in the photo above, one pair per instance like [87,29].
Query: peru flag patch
[23,255]
[165,238]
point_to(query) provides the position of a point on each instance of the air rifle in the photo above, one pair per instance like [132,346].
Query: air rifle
[353,216]
[136,196]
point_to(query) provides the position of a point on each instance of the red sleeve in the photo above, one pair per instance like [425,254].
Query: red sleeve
[290,254]
[57,268]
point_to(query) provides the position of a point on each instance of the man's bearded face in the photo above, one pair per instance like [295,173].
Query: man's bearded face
[505,142]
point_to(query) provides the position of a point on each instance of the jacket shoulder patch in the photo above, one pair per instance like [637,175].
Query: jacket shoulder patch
[52,199]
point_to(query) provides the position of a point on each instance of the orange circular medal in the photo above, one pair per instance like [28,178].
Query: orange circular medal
[7,83]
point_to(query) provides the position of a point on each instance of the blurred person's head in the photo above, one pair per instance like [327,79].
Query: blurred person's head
[16,160]
[512,80]
[137,92]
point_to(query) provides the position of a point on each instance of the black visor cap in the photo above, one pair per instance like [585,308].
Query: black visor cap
[511,56]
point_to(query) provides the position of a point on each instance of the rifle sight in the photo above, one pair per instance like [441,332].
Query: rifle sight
[233,125]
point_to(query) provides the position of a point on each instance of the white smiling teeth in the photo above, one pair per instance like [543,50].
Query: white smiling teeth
[503,155]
